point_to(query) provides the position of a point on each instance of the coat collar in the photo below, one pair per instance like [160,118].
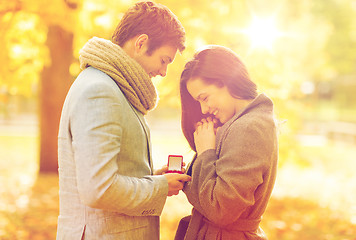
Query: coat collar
[261,99]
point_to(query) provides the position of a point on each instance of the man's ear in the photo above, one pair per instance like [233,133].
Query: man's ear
[141,43]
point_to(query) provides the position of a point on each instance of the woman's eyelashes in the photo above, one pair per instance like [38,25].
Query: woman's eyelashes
[203,98]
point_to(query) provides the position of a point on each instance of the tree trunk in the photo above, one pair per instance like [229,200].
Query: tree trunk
[55,82]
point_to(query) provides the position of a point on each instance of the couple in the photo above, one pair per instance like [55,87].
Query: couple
[108,189]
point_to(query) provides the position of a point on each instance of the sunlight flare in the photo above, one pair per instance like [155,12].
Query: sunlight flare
[262,33]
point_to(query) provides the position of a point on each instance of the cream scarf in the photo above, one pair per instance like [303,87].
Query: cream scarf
[132,79]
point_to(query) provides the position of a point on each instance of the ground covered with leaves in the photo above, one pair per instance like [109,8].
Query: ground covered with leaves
[309,202]
[286,218]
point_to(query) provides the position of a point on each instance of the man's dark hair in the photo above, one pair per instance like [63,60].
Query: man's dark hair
[153,19]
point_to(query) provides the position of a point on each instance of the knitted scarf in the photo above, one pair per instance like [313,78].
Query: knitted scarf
[132,79]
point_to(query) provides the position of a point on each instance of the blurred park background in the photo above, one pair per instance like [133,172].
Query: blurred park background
[300,53]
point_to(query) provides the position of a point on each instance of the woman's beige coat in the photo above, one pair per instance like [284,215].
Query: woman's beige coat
[231,185]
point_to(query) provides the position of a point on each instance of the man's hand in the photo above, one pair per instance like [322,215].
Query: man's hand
[161,171]
[176,182]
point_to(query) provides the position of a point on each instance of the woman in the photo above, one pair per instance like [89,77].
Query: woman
[234,170]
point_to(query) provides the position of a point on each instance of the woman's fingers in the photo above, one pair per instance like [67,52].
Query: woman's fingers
[204,135]
[205,124]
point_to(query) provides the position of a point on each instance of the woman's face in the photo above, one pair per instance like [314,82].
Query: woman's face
[213,99]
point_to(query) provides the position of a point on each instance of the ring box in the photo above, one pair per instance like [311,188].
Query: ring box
[175,164]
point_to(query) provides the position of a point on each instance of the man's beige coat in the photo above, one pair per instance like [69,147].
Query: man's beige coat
[107,190]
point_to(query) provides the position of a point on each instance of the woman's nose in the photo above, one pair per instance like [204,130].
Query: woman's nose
[204,108]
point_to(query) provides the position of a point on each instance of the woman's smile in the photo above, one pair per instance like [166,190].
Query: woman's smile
[213,99]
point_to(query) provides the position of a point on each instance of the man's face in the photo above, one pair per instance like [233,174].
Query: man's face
[156,63]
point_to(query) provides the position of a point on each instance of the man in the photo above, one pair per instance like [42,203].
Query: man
[106,185]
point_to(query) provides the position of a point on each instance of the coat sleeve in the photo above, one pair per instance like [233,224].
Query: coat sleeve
[97,133]
[224,186]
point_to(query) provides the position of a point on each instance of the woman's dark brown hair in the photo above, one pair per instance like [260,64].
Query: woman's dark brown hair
[214,65]
[153,19]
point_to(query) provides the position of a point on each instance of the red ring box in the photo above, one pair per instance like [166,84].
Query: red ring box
[175,164]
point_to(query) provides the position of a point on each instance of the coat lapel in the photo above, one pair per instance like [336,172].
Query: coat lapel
[222,132]
[144,125]
[147,133]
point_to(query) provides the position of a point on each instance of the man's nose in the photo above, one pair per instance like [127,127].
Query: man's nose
[163,71]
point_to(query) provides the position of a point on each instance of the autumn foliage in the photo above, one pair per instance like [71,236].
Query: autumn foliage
[300,53]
